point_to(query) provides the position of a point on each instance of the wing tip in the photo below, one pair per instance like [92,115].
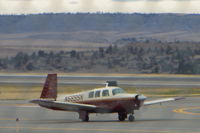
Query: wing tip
[34,101]
[179,98]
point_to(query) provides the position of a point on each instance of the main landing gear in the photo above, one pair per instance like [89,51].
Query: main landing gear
[84,116]
[123,116]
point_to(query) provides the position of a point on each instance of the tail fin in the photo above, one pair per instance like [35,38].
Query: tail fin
[50,87]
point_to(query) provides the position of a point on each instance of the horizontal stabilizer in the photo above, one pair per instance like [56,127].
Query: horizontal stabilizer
[67,106]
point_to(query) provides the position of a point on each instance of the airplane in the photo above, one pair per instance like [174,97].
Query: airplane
[108,99]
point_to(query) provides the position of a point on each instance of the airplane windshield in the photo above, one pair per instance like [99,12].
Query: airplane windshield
[117,91]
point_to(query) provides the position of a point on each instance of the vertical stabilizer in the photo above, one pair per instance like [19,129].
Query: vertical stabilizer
[50,87]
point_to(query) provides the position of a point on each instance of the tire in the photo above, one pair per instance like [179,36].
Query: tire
[86,118]
[122,117]
[131,118]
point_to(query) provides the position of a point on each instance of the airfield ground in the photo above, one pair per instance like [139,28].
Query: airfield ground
[174,117]
[19,116]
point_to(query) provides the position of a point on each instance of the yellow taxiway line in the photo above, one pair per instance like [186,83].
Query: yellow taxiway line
[186,110]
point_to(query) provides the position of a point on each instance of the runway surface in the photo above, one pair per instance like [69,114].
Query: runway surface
[153,81]
[174,117]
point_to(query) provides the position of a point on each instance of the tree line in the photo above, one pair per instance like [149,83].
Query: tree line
[130,58]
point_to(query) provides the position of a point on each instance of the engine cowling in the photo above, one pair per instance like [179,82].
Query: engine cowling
[139,100]
[140,97]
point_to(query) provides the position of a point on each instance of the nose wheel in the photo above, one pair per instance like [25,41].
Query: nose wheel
[131,118]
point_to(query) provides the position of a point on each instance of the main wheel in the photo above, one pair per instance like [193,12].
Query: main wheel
[131,118]
[86,118]
[122,116]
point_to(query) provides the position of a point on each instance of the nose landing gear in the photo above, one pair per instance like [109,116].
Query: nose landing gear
[131,118]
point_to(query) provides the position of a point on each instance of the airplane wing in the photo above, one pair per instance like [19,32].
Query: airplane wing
[162,100]
[67,106]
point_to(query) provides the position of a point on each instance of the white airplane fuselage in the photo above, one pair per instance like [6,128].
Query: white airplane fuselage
[113,99]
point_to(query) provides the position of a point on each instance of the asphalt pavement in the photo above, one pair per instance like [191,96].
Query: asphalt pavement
[181,116]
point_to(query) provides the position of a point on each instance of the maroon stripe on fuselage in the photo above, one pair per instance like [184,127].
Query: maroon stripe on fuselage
[114,104]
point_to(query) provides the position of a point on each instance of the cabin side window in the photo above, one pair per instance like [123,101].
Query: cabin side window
[91,94]
[117,91]
[105,93]
[97,93]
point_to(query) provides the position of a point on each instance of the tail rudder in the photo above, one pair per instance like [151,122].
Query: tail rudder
[50,87]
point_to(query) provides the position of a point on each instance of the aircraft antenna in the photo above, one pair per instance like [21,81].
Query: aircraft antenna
[107,84]
[111,83]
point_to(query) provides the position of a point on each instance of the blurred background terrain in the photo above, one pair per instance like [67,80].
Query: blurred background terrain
[100,43]
[110,43]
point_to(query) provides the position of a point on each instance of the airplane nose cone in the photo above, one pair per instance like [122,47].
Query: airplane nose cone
[142,97]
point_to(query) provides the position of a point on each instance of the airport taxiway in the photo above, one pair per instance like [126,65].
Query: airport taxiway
[139,80]
[174,117]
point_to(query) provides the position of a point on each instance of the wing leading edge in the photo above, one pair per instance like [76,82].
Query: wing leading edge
[162,100]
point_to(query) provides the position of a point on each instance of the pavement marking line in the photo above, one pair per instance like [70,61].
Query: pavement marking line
[185,110]
[103,130]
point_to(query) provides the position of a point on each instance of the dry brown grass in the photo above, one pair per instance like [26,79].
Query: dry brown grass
[34,91]
[24,92]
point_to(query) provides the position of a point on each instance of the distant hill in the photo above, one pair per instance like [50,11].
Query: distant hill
[85,31]
[83,42]
[99,22]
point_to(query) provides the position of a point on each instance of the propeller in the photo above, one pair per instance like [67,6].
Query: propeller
[140,97]
[140,100]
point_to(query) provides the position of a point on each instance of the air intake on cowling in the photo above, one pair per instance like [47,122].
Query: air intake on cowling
[111,83]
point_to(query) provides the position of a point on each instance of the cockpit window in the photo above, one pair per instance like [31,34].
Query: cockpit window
[117,91]
[91,94]
[105,93]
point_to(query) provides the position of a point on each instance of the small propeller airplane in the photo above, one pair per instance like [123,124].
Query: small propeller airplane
[109,99]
